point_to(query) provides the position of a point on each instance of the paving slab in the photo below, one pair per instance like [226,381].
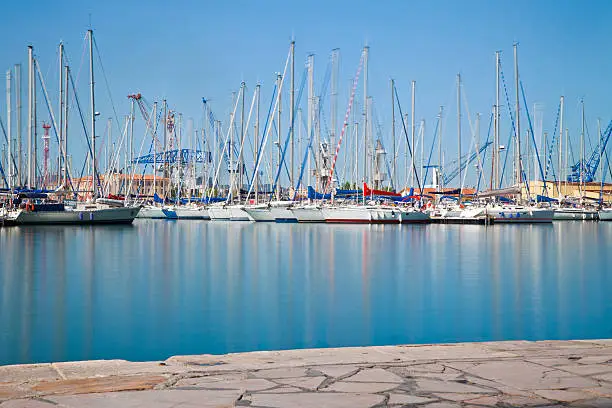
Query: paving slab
[11,390]
[433,386]
[346,386]
[281,373]
[375,375]
[317,400]
[564,395]
[28,373]
[219,383]
[528,376]
[337,370]
[151,399]
[405,399]
[309,383]
[27,403]
[99,384]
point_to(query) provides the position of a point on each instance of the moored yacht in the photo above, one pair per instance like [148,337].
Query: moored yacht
[605,214]
[308,213]
[572,213]
[151,211]
[219,212]
[350,214]
[512,213]
[259,212]
[83,213]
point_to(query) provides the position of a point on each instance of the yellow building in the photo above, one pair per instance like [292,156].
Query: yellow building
[119,183]
[567,189]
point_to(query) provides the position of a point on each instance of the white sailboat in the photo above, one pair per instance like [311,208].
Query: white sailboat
[308,213]
[186,212]
[259,212]
[219,212]
[350,214]
[574,214]
[94,212]
[605,214]
[151,212]
[82,214]
[413,216]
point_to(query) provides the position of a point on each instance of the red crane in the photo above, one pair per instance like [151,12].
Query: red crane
[46,127]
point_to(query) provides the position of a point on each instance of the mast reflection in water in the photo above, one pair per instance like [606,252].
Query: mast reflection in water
[156,288]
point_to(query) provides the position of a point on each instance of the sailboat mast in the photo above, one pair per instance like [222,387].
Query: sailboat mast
[517,156]
[30,113]
[165,178]
[9,125]
[561,170]
[61,104]
[242,133]
[93,115]
[291,113]
[600,148]
[365,113]
[459,130]
[279,80]
[394,162]
[440,167]
[65,134]
[406,166]
[334,98]
[412,132]
[422,130]
[496,129]
[109,143]
[154,147]
[131,142]
[310,113]
[581,161]
[18,103]
[255,175]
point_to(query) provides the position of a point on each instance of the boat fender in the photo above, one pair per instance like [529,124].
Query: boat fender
[81,216]
[91,216]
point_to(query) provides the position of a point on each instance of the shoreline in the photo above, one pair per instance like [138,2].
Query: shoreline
[510,373]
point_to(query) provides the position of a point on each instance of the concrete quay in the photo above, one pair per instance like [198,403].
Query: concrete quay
[502,374]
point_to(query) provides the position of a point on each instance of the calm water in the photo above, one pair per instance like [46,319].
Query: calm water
[161,288]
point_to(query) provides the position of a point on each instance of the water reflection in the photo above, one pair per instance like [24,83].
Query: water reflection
[156,288]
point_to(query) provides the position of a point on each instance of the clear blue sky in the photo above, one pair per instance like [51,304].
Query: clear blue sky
[183,50]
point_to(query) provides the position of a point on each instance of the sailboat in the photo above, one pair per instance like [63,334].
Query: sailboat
[568,210]
[38,210]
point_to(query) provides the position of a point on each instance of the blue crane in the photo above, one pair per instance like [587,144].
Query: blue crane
[465,161]
[588,168]
[173,156]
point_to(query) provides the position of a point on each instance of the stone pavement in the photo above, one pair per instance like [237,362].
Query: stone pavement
[502,374]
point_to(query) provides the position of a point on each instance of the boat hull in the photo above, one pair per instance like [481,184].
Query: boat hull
[574,214]
[383,215]
[346,215]
[605,215]
[237,213]
[151,212]
[188,213]
[308,214]
[520,215]
[283,214]
[414,217]
[262,214]
[116,215]
[219,213]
